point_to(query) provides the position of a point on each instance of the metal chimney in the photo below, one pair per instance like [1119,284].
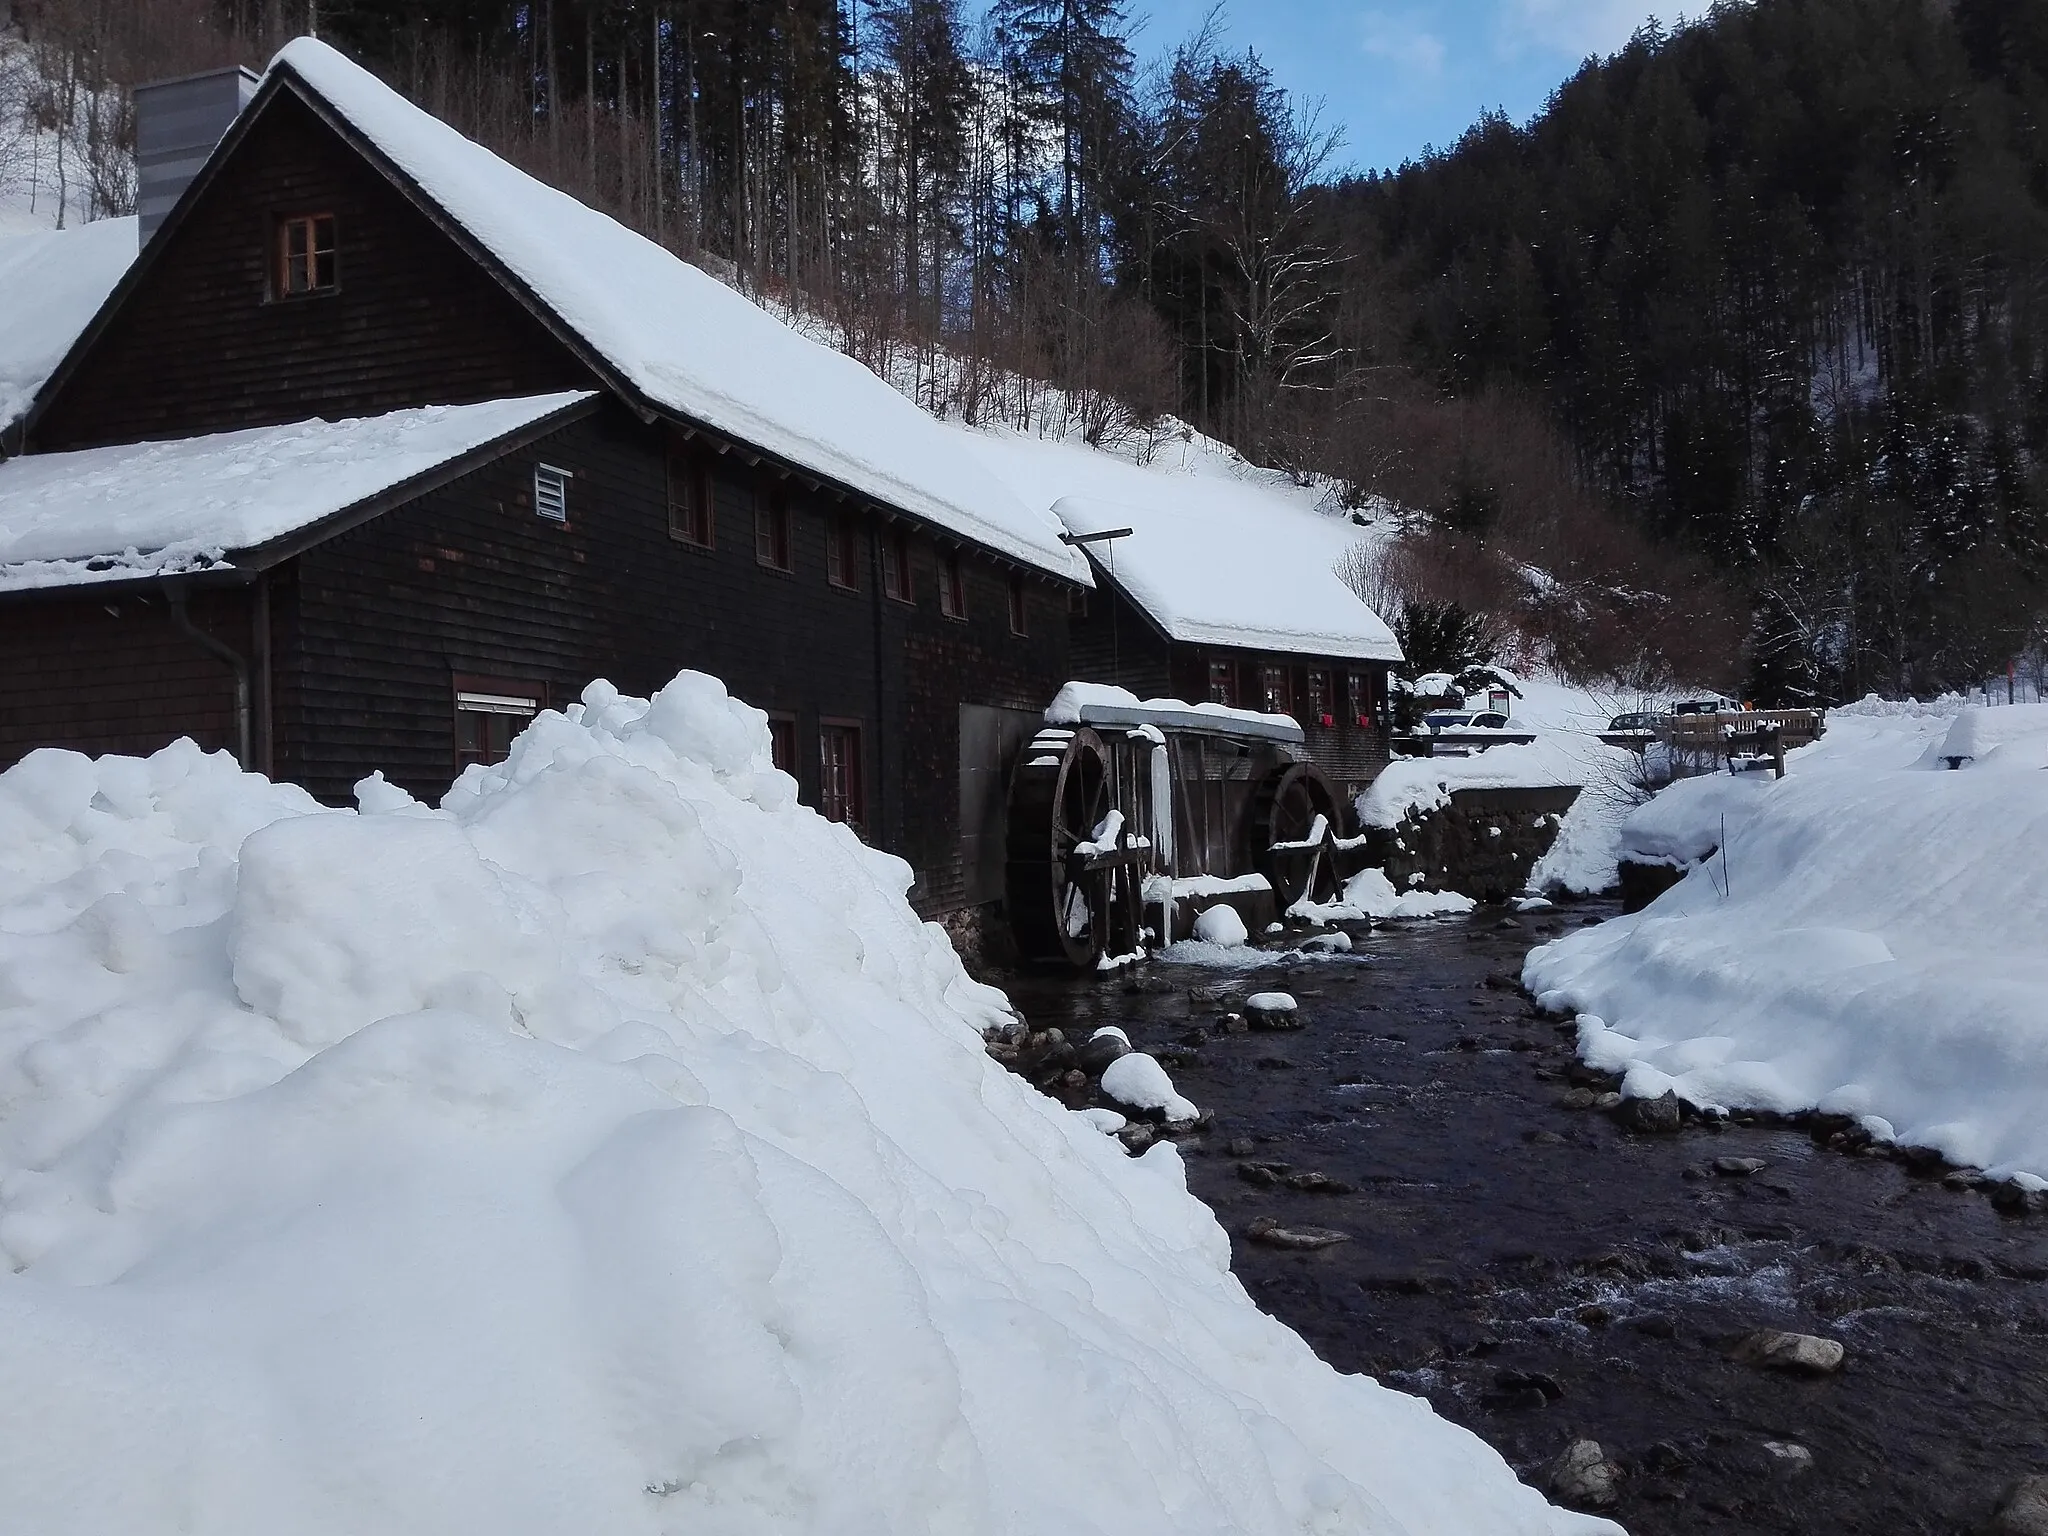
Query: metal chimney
[177,123]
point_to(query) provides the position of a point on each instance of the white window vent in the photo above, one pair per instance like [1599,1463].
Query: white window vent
[551,492]
[497,704]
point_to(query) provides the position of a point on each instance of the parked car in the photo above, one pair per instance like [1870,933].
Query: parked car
[1643,721]
[1465,720]
[1707,704]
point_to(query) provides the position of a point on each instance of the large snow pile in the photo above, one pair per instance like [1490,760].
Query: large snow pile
[1866,941]
[609,1150]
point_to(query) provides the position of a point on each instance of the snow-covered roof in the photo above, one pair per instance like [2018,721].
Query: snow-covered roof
[1218,553]
[683,339]
[52,282]
[152,509]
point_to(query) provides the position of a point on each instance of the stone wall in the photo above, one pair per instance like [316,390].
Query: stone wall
[1484,843]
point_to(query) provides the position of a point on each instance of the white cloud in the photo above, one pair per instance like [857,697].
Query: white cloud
[1578,27]
[1405,43]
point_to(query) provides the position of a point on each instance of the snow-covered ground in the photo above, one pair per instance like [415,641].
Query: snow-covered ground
[1866,939]
[609,1150]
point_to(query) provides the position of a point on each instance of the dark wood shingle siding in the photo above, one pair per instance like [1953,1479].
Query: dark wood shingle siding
[110,673]
[374,626]
[200,346]
[471,580]
[1117,643]
[949,662]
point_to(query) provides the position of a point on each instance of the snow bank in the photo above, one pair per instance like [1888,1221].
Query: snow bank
[101,514]
[1687,820]
[1866,942]
[54,282]
[1976,733]
[610,1150]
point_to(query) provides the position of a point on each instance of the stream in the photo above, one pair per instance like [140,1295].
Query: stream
[1541,1275]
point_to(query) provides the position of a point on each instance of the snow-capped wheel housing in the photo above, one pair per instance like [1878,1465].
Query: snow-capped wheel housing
[1294,824]
[1060,907]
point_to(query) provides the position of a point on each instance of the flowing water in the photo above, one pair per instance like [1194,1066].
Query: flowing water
[1540,1275]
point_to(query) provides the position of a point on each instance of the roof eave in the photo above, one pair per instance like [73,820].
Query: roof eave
[245,563]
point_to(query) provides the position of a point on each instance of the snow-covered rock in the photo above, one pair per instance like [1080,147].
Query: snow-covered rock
[1221,925]
[610,1149]
[1137,1080]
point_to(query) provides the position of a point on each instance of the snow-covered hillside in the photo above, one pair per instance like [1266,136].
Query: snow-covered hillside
[1865,941]
[610,1150]
[55,173]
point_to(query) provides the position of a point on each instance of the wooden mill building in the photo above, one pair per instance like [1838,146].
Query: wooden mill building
[378,446]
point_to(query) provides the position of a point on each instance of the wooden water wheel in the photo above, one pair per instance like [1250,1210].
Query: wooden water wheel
[1294,824]
[1073,890]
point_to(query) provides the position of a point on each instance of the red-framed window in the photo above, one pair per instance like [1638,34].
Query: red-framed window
[489,713]
[1222,683]
[896,580]
[952,585]
[842,553]
[1363,706]
[1020,617]
[1322,699]
[773,545]
[306,261]
[840,786]
[1275,694]
[690,518]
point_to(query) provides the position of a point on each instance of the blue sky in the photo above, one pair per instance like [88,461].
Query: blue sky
[1397,75]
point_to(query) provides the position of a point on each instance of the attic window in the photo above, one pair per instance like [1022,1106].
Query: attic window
[772,534]
[896,567]
[952,586]
[305,255]
[689,497]
[842,553]
[551,492]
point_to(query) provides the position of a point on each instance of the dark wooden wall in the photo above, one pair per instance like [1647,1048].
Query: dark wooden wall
[109,672]
[373,626]
[200,346]
[1352,755]
[1115,642]
[369,629]
[948,662]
